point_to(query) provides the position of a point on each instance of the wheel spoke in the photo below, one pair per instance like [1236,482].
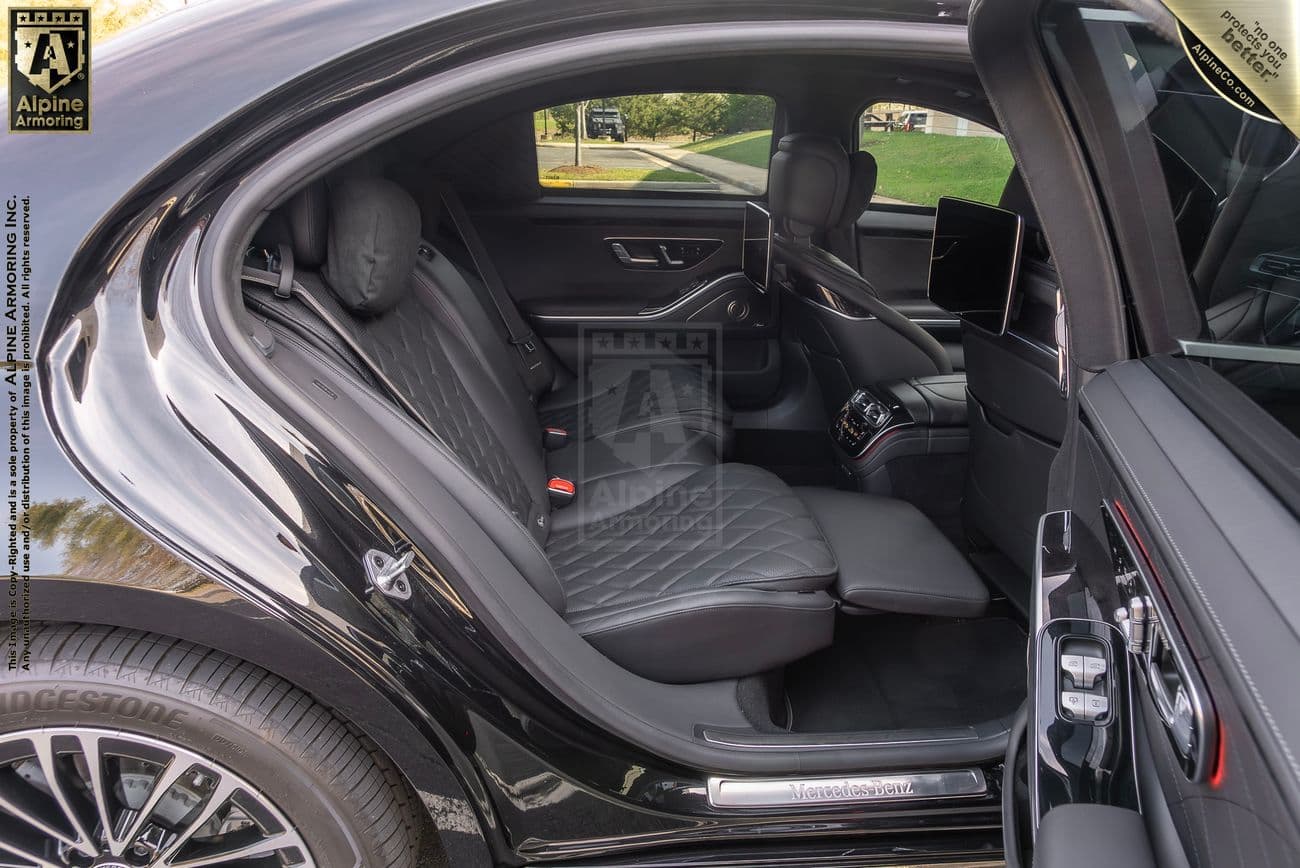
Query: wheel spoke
[98,785]
[167,777]
[48,761]
[29,856]
[220,795]
[265,847]
[29,816]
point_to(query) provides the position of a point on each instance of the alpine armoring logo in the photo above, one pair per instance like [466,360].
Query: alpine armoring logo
[49,72]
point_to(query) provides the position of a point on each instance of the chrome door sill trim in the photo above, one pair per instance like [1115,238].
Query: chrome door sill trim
[722,741]
[848,789]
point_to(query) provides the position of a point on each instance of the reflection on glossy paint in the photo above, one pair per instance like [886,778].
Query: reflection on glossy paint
[97,543]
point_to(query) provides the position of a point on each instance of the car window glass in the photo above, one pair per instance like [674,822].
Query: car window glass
[705,143]
[923,153]
[1231,181]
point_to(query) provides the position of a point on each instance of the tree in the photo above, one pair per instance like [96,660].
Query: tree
[747,111]
[565,116]
[702,113]
[647,115]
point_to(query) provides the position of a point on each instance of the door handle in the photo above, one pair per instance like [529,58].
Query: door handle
[621,254]
[666,258]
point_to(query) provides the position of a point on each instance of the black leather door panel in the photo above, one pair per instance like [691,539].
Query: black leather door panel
[559,258]
[893,253]
[1217,551]
[555,250]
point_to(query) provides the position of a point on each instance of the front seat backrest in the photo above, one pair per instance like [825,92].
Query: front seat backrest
[842,239]
[851,336]
[1016,411]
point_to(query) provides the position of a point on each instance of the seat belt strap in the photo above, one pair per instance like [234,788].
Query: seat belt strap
[536,367]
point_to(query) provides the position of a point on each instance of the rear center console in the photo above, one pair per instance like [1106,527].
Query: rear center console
[900,433]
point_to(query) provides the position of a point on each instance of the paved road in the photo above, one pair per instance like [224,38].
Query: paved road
[727,175]
[605,155]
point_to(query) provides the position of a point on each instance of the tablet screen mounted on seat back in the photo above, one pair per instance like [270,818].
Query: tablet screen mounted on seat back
[756,252]
[974,261]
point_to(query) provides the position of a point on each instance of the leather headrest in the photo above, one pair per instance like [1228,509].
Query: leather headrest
[808,183]
[862,186]
[374,231]
[300,223]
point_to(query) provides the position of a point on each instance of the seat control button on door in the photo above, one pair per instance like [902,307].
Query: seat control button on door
[1093,668]
[1074,702]
[1073,666]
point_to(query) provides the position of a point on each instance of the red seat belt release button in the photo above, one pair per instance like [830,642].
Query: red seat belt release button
[562,491]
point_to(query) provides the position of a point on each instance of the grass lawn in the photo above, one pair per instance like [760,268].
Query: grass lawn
[597,173]
[920,168]
[752,148]
[914,167]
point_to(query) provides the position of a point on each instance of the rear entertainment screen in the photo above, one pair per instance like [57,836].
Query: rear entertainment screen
[974,261]
[756,252]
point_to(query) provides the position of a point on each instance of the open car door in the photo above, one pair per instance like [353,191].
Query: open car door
[1163,721]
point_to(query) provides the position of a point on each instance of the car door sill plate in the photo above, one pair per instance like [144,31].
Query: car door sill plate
[851,789]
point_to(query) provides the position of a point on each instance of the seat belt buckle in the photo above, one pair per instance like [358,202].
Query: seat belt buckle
[554,438]
[562,491]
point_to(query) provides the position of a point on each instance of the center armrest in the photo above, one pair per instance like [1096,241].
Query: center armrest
[937,401]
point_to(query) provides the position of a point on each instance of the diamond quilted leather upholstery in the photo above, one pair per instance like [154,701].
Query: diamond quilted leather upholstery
[631,399]
[687,559]
[722,526]
[404,343]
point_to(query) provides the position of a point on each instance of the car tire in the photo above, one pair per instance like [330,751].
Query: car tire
[331,785]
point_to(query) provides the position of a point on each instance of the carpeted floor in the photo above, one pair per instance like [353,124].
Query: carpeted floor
[902,672]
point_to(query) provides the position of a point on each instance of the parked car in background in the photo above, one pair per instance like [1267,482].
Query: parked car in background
[606,123]
[911,121]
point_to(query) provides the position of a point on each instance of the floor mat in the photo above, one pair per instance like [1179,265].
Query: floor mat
[903,672]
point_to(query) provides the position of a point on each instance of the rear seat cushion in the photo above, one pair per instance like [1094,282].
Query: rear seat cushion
[892,558]
[617,472]
[668,587]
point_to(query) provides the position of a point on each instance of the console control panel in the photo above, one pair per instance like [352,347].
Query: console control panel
[864,417]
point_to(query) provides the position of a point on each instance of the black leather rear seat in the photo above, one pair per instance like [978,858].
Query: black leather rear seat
[705,571]
[605,401]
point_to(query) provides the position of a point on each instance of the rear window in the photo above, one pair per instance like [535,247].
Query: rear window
[924,153]
[707,143]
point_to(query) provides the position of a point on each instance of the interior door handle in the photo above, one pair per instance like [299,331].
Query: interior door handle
[621,254]
[666,258]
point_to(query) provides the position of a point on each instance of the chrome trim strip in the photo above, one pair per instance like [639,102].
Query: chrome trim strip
[1240,352]
[848,789]
[655,314]
[712,738]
